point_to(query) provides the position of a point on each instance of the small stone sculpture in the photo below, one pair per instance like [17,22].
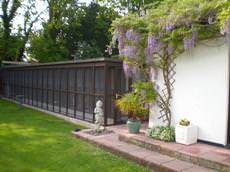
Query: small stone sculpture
[99,116]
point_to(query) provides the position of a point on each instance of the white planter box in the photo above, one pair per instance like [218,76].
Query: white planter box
[186,134]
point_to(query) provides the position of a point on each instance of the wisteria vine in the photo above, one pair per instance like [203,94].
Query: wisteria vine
[164,36]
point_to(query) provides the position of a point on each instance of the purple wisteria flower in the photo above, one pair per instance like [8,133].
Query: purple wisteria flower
[154,45]
[132,36]
[130,70]
[170,49]
[130,51]
[169,27]
[190,42]
[121,43]
[126,68]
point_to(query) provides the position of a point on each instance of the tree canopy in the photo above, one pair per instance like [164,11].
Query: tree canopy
[68,30]
[75,32]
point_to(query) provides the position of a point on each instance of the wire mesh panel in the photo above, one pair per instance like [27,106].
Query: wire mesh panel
[44,89]
[12,91]
[79,93]
[50,89]
[2,91]
[99,80]
[6,84]
[122,85]
[34,87]
[63,97]
[71,95]
[15,84]
[68,88]
[30,86]
[39,88]
[56,91]
[88,91]
[26,87]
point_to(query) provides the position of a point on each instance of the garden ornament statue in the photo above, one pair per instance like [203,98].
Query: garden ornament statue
[99,116]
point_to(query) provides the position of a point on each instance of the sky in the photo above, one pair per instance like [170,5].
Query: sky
[87,1]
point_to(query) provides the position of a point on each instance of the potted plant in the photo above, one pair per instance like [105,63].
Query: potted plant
[135,104]
[186,133]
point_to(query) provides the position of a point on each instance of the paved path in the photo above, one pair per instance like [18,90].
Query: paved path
[156,161]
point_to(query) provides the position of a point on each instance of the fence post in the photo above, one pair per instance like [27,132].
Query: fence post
[67,92]
[75,94]
[94,103]
[0,82]
[83,102]
[42,87]
[47,89]
[59,91]
[32,87]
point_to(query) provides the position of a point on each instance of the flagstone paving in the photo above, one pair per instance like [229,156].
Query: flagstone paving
[201,154]
[155,159]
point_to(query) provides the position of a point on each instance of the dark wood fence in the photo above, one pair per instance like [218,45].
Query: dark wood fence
[69,88]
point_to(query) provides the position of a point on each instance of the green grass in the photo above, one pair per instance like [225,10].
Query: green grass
[32,141]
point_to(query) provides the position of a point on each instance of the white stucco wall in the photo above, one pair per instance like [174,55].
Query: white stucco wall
[201,91]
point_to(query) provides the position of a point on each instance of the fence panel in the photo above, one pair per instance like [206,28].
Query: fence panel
[68,88]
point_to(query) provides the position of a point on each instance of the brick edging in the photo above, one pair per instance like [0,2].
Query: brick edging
[179,155]
[156,167]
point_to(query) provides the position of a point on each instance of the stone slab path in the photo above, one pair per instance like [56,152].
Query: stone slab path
[201,154]
[153,159]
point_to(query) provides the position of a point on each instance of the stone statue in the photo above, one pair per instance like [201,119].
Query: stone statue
[99,116]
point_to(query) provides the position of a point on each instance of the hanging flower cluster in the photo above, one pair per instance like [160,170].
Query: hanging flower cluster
[169,27]
[190,42]
[131,35]
[128,48]
[154,45]
[130,70]
[156,39]
[170,49]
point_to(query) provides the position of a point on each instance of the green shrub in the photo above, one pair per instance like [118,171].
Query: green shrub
[130,104]
[163,133]
[134,103]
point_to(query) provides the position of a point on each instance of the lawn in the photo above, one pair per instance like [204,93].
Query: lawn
[32,141]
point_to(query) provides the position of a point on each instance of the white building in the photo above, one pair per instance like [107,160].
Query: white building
[201,91]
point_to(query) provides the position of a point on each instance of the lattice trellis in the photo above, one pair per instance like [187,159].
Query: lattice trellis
[165,95]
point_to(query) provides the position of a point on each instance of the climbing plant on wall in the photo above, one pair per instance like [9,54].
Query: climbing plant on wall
[150,43]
